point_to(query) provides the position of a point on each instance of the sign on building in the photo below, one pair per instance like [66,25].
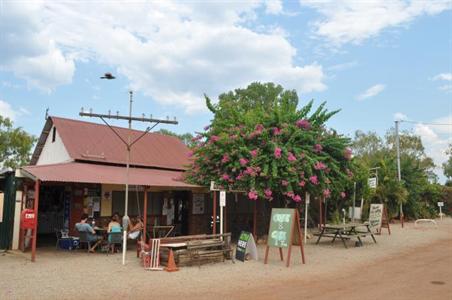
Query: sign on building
[198,204]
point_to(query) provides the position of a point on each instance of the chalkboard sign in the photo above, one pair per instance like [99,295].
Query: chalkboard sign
[376,215]
[284,225]
[245,245]
[281,224]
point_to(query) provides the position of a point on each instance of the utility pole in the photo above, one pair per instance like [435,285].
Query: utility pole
[128,144]
[398,165]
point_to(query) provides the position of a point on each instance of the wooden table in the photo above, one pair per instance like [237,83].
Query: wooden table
[345,232]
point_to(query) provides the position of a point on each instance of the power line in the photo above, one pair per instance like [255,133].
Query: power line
[426,123]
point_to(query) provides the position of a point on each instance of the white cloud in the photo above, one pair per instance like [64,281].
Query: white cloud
[343,66]
[371,92]
[436,139]
[27,49]
[7,111]
[273,7]
[400,116]
[171,51]
[443,76]
[352,21]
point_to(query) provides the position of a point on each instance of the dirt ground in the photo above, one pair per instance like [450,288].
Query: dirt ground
[412,263]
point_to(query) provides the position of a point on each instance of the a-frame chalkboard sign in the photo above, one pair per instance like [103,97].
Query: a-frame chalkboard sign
[284,226]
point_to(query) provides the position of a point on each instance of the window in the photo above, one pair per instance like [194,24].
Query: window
[53,134]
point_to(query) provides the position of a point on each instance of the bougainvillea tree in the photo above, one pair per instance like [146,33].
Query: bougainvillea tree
[261,143]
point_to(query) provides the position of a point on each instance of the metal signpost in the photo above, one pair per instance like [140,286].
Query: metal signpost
[128,145]
[440,205]
[222,205]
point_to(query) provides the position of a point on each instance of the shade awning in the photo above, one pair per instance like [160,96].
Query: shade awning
[95,173]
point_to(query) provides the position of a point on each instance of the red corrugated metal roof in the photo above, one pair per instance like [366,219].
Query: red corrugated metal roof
[96,173]
[98,143]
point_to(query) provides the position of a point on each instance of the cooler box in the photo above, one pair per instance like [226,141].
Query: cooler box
[69,243]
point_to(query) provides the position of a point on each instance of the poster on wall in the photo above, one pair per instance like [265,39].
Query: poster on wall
[1,206]
[198,204]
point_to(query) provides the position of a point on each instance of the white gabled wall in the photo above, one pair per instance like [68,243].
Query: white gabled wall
[53,152]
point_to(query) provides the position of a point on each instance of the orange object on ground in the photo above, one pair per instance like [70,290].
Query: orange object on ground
[171,267]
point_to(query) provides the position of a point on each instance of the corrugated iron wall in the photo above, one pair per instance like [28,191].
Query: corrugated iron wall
[8,186]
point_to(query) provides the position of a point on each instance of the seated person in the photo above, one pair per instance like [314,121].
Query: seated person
[114,225]
[135,227]
[84,226]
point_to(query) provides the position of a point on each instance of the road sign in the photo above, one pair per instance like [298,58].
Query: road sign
[222,198]
[372,182]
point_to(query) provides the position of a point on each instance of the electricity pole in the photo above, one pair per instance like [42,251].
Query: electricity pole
[398,165]
[128,144]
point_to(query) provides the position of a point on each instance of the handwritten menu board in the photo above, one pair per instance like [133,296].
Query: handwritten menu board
[376,215]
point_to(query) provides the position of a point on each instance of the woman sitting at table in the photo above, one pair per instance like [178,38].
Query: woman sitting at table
[114,225]
[135,227]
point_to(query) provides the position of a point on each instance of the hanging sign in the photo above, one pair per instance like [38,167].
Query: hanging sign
[284,226]
[223,198]
[246,245]
[372,182]
[376,216]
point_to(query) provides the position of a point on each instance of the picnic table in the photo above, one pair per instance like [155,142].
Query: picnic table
[345,232]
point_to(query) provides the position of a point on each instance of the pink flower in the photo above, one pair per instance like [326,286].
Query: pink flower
[277,131]
[343,195]
[268,193]
[243,162]
[326,193]
[318,148]
[290,194]
[225,158]
[348,153]
[259,128]
[239,177]
[207,127]
[291,157]
[214,138]
[297,198]
[314,180]
[225,177]
[284,182]
[190,153]
[303,124]
[302,183]
[319,166]
[252,195]
[349,173]
[253,153]
[250,171]
[278,152]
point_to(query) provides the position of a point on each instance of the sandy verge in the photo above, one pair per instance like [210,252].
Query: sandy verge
[69,275]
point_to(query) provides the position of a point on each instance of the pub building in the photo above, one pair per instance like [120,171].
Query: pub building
[80,167]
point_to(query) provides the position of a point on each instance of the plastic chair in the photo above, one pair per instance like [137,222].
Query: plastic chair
[84,239]
[114,238]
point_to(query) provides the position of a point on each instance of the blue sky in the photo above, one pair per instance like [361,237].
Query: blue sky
[375,60]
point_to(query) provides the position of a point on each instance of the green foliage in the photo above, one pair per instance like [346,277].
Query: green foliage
[259,142]
[447,166]
[186,138]
[417,191]
[15,145]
